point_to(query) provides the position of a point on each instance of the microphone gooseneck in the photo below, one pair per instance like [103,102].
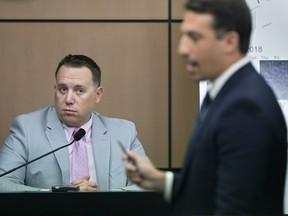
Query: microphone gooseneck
[78,135]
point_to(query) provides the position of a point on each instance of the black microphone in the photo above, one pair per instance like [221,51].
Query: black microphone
[78,135]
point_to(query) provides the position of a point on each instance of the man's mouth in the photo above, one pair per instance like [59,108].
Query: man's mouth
[191,66]
[69,111]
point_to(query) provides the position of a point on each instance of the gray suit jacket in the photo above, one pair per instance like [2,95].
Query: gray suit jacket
[39,132]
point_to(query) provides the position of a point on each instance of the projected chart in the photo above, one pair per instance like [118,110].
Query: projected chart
[269,37]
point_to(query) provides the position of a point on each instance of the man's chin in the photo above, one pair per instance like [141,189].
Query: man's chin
[195,77]
[70,121]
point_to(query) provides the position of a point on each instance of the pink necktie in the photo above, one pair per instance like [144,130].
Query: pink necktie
[79,159]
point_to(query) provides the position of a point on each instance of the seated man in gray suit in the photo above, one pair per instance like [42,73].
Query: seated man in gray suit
[77,91]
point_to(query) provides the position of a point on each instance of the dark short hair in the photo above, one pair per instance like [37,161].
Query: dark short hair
[229,15]
[78,61]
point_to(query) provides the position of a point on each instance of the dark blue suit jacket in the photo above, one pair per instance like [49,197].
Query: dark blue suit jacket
[236,158]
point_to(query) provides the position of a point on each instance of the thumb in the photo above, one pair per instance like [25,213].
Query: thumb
[132,155]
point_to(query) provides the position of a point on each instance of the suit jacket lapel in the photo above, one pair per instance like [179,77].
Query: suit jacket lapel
[101,141]
[56,136]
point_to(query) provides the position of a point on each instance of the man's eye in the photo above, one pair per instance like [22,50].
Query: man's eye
[62,89]
[80,91]
[194,37]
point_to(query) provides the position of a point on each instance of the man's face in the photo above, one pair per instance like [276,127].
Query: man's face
[200,47]
[75,95]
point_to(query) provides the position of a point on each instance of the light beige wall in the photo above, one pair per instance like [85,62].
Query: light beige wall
[84,9]
[129,41]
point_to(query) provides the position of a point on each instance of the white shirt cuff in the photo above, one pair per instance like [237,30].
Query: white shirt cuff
[169,178]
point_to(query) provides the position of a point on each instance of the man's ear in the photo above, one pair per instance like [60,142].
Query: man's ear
[99,92]
[231,42]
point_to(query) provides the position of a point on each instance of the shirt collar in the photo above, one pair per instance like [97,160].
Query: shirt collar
[215,86]
[87,127]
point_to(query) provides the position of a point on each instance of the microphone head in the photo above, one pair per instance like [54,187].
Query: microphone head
[79,134]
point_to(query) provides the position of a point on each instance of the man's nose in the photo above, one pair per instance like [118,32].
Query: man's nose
[69,97]
[182,46]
